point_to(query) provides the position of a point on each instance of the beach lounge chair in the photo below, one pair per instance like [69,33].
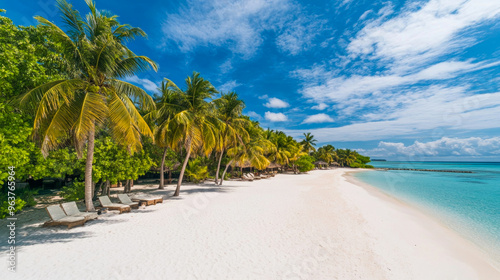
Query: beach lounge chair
[126,200]
[106,202]
[254,177]
[147,200]
[59,218]
[72,210]
[246,177]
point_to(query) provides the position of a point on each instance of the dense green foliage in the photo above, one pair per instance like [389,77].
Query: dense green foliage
[305,163]
[196,172]
[73,192]
[62,93]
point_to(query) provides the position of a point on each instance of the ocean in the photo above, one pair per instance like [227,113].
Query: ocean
[468,203]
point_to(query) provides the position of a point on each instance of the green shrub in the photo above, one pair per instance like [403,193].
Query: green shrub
[28,196]
[305,163]
[75,191]
[195,172]
[5,211]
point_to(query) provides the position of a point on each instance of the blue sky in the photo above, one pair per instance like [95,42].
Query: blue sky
[408,80]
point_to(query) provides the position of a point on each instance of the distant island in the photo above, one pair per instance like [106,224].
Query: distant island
[378,159]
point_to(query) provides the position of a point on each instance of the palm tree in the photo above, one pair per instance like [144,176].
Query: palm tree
[71,109]
[193,125]
[167,105]
[346,157]
[229,109]
[309,142]
[252,150]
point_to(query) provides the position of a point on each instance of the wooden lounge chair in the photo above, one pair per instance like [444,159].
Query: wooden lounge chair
[147,200]
[246,177]
[72,210]
[254,177]
[59,218]
[126,200]
[106,202]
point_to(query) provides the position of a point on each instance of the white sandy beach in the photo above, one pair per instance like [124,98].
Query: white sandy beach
[310,226]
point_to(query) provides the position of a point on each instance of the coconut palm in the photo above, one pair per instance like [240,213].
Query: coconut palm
[309,142]
[252,150]
[229,109]
[194,126]
[346,157]
[70,110]
[168,104]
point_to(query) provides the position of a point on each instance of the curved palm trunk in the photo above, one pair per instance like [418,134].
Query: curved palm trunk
[218,167]
[224,173]
[178,189]
[162,170]
[89,205]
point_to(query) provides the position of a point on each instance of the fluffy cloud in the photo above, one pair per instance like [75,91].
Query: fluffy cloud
[145,83]
[276,103]
[415,113]
[318,118]
[443,147]
[422,32]
[276,117]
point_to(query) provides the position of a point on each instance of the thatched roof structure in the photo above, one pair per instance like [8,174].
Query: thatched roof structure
[335,163]
[245,164]
[273,165]
[320,162]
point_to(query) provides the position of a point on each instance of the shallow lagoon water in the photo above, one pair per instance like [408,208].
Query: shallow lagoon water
[468,203]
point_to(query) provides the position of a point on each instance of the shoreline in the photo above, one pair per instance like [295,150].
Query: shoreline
[308,226]
[457,245]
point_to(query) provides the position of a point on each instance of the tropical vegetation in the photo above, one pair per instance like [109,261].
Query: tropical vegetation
[68,116]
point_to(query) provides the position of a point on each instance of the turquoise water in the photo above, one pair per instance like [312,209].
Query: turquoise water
[466,203]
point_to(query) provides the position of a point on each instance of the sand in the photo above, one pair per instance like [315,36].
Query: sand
[309,226]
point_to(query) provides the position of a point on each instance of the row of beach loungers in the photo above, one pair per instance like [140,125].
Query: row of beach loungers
[68,214]
[251,176]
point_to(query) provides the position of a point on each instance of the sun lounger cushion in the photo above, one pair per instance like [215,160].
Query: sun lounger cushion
[56,212]
[106,202]
[72,210]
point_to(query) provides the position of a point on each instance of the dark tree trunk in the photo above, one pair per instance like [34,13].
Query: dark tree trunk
[89,205]
[162,170]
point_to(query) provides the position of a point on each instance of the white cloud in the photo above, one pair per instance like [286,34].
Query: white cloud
[276,117]
[443,147]
[254,115]
[228,86]
[420,33]
[276,103]
[318,118]
[320,106]
[239,25]
[145,83]
[412,113]
[342,88]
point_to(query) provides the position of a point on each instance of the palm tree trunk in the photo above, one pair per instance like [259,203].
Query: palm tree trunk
[224,173]
[89,205]
[179,182]
[162,170]
[218,167]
